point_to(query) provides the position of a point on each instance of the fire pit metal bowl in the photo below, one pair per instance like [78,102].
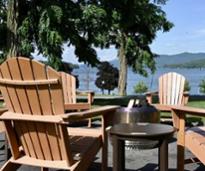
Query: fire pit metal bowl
[140,113]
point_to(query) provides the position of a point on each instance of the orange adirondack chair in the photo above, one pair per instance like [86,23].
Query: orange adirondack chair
[70,95]
[36,125]
[171,91]
[192,138]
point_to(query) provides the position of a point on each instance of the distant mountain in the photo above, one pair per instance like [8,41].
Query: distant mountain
[178,58]
[166,60]
[198,63]
[163,60]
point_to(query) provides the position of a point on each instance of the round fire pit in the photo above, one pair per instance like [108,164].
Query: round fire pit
[140,113]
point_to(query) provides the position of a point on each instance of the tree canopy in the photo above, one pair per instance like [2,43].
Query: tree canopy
[47,25]
[3,28]
[129,25]
[134,25]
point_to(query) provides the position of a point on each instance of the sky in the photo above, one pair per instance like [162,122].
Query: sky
[187,35]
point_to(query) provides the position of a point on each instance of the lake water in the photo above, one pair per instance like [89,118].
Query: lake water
[87,79]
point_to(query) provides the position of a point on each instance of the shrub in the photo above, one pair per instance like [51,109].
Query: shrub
[202,86]
[140,87]
[187,87]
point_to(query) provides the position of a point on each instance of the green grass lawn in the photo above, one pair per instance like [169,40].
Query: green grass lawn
[198,104]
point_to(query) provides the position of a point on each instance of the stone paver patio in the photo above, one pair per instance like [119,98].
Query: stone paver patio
[138,160]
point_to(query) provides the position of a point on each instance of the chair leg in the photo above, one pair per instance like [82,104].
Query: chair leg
[8,166]
[104,154]
[44,169]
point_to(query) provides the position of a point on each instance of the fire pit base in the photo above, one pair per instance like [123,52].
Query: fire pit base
[141,144]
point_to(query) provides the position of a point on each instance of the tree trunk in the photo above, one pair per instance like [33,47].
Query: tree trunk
[12,26]
[122,83]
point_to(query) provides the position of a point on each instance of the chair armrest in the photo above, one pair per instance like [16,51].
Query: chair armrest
[188,110]
[149,96]
[90,94]
[37,118]
[84,92]
[179,112]
[186,93]
[151,93]
[76,116]
[60,119]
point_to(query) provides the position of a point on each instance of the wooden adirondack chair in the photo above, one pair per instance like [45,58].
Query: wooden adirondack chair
[192,138]
[70,95]
[36,125]
[171,91]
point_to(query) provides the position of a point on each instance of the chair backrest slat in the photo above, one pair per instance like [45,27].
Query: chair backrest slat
[22,137]
[175,95]
[10,92]
[42,95]
[54,142]
[69,87]
[56,93]
[73,87]
[39,72]
[174,90]
[171,88]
